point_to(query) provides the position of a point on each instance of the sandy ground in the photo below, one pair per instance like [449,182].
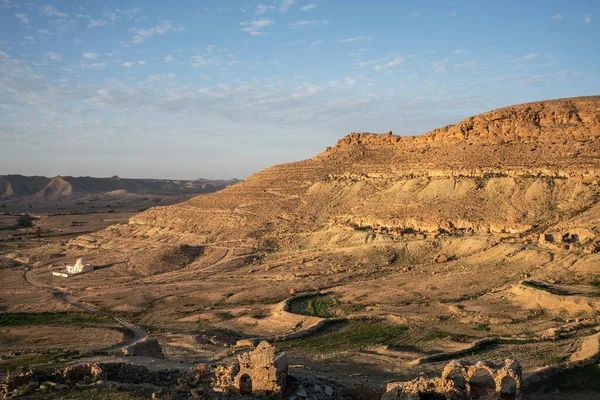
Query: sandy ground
[58,338]
[198,310]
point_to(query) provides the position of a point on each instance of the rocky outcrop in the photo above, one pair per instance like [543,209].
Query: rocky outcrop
[538,296]
[545,121]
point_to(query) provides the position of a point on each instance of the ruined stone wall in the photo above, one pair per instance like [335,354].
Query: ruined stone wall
[446,387]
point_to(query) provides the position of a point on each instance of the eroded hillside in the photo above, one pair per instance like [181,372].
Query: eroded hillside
[421,249]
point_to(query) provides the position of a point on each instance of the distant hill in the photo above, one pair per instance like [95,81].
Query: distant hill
[40,191]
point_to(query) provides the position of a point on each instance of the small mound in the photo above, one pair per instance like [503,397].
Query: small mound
[6,263]
[164,259]
[145,348]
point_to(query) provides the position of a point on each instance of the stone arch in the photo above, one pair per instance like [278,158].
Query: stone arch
[457,376]
[484,383]
[246,384]
[508,387]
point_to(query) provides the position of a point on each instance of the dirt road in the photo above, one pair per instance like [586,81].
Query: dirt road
[137,334]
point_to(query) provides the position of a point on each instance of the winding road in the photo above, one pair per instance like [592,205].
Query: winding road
[137,334]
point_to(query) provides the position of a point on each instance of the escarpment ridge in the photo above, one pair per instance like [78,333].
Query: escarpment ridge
[544,121]
[508,171]
[41,193]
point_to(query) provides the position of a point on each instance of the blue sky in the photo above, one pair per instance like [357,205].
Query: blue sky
[222,89]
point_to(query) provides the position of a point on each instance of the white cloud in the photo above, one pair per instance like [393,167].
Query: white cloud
[349,80]
[415,14]
[308,7]
[51,11]
[99,65]
[23,18]
[50,55]
[62,24]
[357,53]
[261,9]
[587,20]
[90,55]
[303,23]
[390,64]
[369,63]
[461,51]
[452,14]
[77,41]
[161,78]
[256,27]
[3,54]
[129,64]
[285,5]
[97,23]
[212,56]
[440,66]
[112,16]
[168,58]
[466,64]
[129,13]
[557,17]
[526,57]
[352,39]
[139,35]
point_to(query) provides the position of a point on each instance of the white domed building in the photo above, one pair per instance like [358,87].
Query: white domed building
[81,266]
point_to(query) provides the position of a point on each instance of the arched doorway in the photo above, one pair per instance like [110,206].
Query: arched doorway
[458,378]
[482,384]
[508,388]
[245,384]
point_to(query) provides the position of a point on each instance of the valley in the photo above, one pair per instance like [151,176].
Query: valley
[378,260]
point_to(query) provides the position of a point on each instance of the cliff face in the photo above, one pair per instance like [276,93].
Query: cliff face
[512,170]
[576,119]
[557,138]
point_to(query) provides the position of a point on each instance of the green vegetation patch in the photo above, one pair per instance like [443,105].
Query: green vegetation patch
[52,318]
[37,360]
[322,306]
[348,335]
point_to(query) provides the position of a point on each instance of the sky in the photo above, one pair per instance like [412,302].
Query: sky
[223,89]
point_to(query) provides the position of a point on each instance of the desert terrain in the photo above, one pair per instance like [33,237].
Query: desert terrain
[378,260]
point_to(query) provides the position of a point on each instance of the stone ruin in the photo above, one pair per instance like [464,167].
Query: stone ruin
[578,238]
[257,373]
[456,383]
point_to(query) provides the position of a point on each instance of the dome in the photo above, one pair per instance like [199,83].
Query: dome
[81,262]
